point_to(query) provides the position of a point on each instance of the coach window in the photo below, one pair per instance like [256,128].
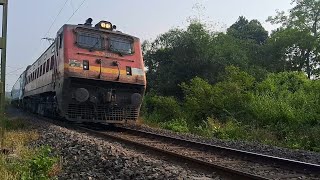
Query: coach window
[38,72]
[44,68]
[52,62]
[48,63]
[89,41]
[41,70]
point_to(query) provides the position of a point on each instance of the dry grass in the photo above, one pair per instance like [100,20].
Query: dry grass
[5,174]
[56,169]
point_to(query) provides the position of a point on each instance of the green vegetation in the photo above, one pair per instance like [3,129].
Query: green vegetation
[280,110]
[24,162]
[242,84]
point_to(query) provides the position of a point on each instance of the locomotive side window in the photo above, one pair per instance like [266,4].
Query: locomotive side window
[91,41]
[121,45]
[60,41]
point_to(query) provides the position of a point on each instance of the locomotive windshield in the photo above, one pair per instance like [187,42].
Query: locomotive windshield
[91,41]
[120,45]
[95,41]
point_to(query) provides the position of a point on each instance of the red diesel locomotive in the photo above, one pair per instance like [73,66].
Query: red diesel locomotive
[88,74]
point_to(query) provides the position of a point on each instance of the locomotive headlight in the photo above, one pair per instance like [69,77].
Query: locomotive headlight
[104,25]
[108,26]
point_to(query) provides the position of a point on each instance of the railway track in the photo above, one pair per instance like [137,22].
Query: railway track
[234,163]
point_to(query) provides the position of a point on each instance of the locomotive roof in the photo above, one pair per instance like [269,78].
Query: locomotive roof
[100,30]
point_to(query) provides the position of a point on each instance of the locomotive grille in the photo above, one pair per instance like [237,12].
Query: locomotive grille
[86,112]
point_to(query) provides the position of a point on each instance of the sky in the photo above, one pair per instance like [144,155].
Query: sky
[30,21]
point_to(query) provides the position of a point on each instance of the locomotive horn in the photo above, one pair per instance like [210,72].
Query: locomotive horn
[88,22]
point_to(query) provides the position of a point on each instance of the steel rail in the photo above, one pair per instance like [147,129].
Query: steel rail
[236,174]
[286,163]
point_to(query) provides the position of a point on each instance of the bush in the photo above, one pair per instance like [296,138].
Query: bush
[232,130]
[283,109]
[225,99]
[40,165]
[207,128]
[176,125]
[161,109]
[198,101]
[286,98]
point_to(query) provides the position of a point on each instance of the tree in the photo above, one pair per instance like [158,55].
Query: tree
[176,57]
[304,20]
[180,55]
[253,30]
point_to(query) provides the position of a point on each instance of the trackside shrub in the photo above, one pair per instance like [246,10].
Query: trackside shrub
[161,109]
[39,166]
[225,99]
[198,101]
[282,109]
[176,125]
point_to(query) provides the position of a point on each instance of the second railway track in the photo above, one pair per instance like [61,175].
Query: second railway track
[234,163]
